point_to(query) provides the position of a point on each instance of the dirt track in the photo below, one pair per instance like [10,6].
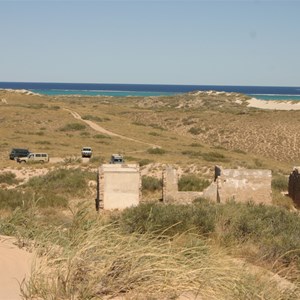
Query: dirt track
[100,129]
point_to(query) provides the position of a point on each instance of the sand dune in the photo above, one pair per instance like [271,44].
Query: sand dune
[275,105]
[15,266]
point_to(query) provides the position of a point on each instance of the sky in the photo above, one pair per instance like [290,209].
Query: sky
[241,42]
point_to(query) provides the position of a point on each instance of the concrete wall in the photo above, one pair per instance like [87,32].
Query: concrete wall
[233,184]
[170,189]
[242,186]
[120,186]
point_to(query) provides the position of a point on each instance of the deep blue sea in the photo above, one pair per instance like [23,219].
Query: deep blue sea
[123,90]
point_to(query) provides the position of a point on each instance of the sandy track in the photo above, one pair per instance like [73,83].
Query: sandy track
[100,129]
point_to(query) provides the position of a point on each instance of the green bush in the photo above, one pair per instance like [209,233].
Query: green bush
[151,184]
[156,151]
[272,231]
[11,199]
[8,177]
[92,118]
[73,127]
[101,136]
[196,130]
[279,183]
[169,219]
[61,182]
[214,157]
[145,161]
[192,183]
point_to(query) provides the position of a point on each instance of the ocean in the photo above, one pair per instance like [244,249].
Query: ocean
[123,90]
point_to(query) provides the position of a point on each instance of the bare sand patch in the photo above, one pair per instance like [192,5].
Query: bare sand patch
[273,104]
[15,266]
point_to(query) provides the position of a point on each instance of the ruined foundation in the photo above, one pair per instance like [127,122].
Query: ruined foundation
[240,185]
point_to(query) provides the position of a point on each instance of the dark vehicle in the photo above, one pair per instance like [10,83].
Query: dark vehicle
[116,159]
[17,152]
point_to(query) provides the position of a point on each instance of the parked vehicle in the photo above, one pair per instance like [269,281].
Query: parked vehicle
[86,152]
[116,159]
[34,157]
[18,152]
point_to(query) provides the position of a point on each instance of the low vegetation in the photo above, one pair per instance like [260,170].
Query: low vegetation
[192,183]
[152,251]
[73,127]
[158,151]
[151,184]
[8,177]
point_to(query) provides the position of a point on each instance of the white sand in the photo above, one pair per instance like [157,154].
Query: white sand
[273,104]
[15,266]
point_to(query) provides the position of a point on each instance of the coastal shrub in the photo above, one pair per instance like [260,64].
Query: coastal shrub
[11,199]
[196,145]
[192,183]
[73,127]
[144,162]
[214,156]
[156,150]
[101,136]
[279,183]
[169,219]
[151,184]
[54,107]
[46,199]
[8,177]
[258,225]
[61,182]
[100,261]
[196,130]
[192,153]
[92,118]
[156,126]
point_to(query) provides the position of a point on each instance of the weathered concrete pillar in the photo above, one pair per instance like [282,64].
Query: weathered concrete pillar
[120,186]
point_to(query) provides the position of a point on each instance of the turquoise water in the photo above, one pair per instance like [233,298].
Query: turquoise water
[146,90]
[54,92]
[276,97]
[100,93]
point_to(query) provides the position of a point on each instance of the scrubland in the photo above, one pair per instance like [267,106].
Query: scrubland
[153,251]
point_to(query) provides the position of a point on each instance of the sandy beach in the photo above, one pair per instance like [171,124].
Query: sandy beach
[273,104]
[15,266]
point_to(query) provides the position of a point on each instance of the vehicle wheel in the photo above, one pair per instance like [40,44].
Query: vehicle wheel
[41,161]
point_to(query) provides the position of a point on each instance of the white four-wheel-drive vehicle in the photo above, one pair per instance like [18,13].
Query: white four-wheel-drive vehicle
[34,157]
[86,152]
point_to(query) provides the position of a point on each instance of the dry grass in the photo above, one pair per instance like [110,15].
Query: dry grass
[98,261]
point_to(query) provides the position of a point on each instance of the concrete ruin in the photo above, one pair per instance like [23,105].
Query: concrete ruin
[119,186]
[241,185]
[170,189]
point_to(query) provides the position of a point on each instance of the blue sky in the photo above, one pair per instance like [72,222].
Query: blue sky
[154,42]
